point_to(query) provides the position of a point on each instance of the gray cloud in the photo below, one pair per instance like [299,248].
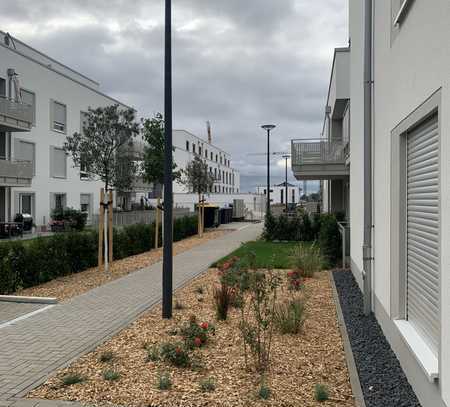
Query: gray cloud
[236,63]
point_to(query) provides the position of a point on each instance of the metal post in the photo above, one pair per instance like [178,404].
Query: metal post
[168,197]
[286,178]
[268,172]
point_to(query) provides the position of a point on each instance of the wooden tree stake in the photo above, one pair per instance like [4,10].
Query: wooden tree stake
[110,226]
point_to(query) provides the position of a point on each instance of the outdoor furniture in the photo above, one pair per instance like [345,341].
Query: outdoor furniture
[11,229]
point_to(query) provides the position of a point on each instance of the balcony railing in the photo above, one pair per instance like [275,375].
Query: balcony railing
[318,151]
[15,173]
[15,116]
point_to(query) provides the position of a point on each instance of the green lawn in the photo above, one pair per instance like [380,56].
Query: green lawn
[268,254]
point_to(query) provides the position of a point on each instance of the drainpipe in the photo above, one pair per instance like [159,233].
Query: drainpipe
[367,244]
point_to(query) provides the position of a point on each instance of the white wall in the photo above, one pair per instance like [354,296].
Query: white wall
[48,84]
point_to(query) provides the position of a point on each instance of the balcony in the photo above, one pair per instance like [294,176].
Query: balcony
[15,173]
[319,159]
[15,116]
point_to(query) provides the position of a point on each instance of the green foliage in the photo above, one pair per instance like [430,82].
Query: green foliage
[107,356]
[31,262]
[73,219]
[104,147]
[153,135]
[208,384]
[163,381]
[321,393]
[153,353]
[264,392]
[290,316]
[197,177]
[196,335]
[175,354]
[71,379]
[330,240]
[307,259]
[111,375]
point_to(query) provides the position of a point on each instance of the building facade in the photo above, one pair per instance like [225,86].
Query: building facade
[278,193]
[398,159]
[41,102]
[188,145]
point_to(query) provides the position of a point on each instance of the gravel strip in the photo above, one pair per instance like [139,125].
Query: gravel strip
[383,381]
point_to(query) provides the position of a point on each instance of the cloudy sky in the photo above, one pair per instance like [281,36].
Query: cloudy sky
[237,63]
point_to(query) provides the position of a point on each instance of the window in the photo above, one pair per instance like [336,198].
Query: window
[84,173]
[3,146]
[58,117]
[25,151]
[199,150]
[58,162]
[215,173]
[216,157]
[212,156]
[293,196]
[85,205]
[193,148]
[187,145]
[29,98]
[26,202]
[59,201]
[206,153]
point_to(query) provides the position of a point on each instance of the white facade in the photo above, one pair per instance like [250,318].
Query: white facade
[411,86]
[187,145]
[278,192]
[59,95]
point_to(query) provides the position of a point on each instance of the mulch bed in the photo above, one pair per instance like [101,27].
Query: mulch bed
[64,288]
[383,381]
[299,362]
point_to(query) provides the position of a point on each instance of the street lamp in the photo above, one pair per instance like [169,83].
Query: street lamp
[168,196]
[268,128]
[286,157]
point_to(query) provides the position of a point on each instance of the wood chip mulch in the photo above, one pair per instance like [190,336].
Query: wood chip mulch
[299,362]
[64,288]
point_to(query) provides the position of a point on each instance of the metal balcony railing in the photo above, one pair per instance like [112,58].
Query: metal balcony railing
[15,173]
[318,151]
[16,113]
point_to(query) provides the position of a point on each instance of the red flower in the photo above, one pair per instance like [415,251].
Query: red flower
[204,325]
[198,342]
[291,273]
[226,266]
[178,350]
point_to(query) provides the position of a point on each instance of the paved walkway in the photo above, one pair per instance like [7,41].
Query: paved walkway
[32,349]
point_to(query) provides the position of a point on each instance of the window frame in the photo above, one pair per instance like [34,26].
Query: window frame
[33,123]
[52,162]
[52,117]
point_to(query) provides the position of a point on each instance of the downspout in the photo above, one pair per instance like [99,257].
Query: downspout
[367,244]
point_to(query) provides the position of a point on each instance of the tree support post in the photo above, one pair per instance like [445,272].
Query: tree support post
[110,226]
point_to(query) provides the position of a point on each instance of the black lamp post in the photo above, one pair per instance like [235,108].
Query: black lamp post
[268,128]
[168,196]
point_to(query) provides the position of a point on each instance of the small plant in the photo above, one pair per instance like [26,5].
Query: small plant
[153,354]
[290,316]
[173,331]
[208,384]
[294,280]
[106,357]
[72,378]
[197,363]
[307,259]
[163,381]
[178,305]
[223,297]
[175,354]
[199,289]
[111,375]
[196,335]
[321,393]
[264,392]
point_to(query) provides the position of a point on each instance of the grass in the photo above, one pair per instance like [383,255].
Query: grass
[275,254]
[72,378]
[111,375]
[321,393]
[106,357]
[163,381]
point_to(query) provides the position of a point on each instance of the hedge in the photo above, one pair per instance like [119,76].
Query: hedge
[27,263]
[303,228]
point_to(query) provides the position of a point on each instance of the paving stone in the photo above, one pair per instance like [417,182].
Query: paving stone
[35,347]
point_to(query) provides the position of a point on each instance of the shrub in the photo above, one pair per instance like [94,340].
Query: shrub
[71,379]
[196,335]
[290,316]
[111,375]
[264,392]
[294,280]
[321,393]
[175,354]
[153,353]
[69,219]
[106,357]
[330,239]
[222,300]
[307,259]
[163,381]
[208,384]
[28,263]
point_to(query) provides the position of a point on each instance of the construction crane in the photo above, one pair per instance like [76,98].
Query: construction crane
[286,156]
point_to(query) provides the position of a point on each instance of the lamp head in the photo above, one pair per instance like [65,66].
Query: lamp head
[268,126]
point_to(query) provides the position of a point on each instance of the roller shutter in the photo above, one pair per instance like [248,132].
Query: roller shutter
[423,268]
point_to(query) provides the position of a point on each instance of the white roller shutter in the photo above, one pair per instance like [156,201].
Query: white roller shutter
[423,269]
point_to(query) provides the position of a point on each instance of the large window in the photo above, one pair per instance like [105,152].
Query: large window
[29,98]
[58,114]
[58,163]
[25,151]
[86,205]
[59,201]
[26,203]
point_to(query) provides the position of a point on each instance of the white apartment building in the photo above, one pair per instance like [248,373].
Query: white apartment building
[399,121]
[187,146]
[36,175]
[278,193]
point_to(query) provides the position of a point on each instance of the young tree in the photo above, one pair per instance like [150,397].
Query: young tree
[104,150]
[199,180]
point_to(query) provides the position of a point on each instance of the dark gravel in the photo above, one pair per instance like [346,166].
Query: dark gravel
[382,379]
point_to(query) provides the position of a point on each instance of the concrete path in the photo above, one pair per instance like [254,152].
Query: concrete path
[33,348]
